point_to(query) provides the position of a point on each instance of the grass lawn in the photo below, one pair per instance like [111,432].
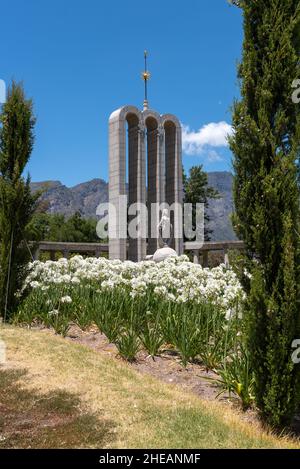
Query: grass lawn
[54,393]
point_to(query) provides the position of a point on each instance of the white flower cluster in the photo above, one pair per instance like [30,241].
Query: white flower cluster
[175,279]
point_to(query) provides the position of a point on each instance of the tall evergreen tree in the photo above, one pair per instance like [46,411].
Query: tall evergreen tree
[196,190]
[16,202]
[265,144]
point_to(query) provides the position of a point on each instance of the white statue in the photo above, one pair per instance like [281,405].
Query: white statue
[165,236]
[165,229]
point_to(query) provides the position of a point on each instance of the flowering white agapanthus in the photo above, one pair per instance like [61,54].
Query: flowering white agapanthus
[34,284]
[66,299]
[54,312]
[175,279]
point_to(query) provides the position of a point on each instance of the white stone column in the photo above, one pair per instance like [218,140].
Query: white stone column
[179,187]
[117,186]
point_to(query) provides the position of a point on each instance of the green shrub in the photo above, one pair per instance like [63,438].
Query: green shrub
[151,335]
[236,376]
[128,344]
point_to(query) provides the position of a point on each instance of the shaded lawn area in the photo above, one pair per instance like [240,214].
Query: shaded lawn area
[29,419]
[54,393]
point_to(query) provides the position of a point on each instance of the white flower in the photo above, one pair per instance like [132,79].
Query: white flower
[66,299]
[34,284]
[229,314]
[75,280]
[247,274]
[175,280]
[54,312]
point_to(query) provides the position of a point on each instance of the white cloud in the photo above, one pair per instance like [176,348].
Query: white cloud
[208,137]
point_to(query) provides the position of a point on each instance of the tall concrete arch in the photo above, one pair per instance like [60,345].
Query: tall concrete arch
[173,174]
[161,163]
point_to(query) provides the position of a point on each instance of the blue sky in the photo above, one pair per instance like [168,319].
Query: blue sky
[81,59]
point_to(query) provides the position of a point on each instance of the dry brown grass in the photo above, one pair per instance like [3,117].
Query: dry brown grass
[141,411]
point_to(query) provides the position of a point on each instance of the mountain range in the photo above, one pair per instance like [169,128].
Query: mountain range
[86,197]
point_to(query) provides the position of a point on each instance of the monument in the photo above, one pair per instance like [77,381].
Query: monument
[151,155]
[165,233]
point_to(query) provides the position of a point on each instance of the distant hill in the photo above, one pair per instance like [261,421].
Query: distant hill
[85,198]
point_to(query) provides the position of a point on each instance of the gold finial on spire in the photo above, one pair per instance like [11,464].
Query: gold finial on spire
[145,77]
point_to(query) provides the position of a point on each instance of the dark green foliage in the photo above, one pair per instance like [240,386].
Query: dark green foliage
[16,202]
[151,335]
[236,376]
[266,145]
[183,327]
[196,190]
[194,330]
[55,227]
[128,344]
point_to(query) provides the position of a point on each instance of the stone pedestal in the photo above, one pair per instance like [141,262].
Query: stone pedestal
[163,254]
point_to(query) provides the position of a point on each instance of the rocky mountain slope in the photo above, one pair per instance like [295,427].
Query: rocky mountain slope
[85,198]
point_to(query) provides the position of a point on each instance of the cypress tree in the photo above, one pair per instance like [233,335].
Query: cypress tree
[265,145]
[16,202]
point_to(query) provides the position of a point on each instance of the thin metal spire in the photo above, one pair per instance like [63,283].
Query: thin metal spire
[146,77]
